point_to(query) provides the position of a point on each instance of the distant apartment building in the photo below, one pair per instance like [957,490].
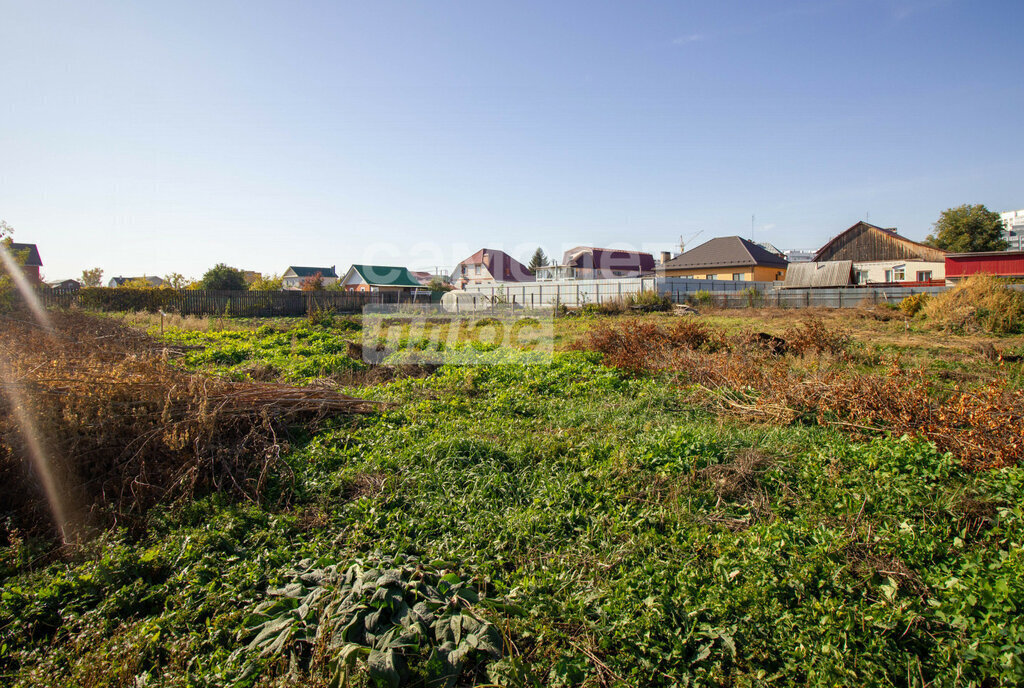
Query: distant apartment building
[1013,229]
[799,255]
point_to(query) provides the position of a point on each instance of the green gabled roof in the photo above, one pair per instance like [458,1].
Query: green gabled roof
[386,276]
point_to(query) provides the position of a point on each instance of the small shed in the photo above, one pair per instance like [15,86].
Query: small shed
[830,273]
[998,263]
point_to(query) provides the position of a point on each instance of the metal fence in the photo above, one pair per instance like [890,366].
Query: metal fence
[575,293]
[231,303]
[839,297]
[719,293]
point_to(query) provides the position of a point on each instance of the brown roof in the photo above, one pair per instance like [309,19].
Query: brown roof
[721,252]
[608,259]
[422,276]
[865,242]
[502,266]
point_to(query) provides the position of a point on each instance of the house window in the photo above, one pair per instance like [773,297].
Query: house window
[924,275]
[899,274]
[476,269]
[711,277]
[860,277]
[737,277]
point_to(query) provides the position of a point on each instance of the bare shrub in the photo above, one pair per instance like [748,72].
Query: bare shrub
[125,429]
[812,335]
[980,426]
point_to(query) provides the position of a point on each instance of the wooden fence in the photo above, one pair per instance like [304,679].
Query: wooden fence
[251,304]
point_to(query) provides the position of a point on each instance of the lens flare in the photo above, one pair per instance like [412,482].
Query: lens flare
[15,394]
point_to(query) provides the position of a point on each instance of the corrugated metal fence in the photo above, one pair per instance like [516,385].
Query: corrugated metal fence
[719,293]
[840,297]
[574,293]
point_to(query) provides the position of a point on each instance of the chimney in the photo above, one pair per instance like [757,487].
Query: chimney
[666,256]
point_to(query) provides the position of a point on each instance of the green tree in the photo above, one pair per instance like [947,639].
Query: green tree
[92,278]
[176,280]
[968,229]
[138,283]
[223,278]
[438,284]
[539,260]
[6,285]
[268,283]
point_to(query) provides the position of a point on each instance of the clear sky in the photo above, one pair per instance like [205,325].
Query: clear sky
[151,137]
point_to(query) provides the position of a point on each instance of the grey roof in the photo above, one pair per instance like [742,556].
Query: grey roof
[770,248]
[828,273]
[309,272]
[732,251]
[32,259]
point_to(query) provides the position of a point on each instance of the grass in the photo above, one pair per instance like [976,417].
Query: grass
[635,537]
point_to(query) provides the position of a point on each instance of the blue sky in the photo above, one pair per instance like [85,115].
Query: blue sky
[158,137]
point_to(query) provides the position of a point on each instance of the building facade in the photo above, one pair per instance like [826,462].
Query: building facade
[1013,229]
[589,262]
[374,278]
[895,271]
[295,275]
[999,263]
[490,265]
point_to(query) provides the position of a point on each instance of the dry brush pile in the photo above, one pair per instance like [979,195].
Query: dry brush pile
[809,374]
[123,428]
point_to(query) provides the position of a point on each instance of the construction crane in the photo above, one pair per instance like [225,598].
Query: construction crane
[683,243]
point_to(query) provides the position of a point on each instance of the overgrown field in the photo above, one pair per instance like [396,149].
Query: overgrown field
[611,518]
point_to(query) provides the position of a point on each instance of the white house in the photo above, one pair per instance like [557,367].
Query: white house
[293,277]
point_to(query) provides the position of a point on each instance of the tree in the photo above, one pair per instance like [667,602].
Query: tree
[138,283]
[176,280]
[968,229]
[93,277]
[539,260]
[268,283]
[439,284]
[314,282]
[6,286]
[223,278]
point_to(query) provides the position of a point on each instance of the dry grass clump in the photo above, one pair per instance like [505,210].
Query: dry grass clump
[745,377]
[913,304]
[124,429]
[981,303]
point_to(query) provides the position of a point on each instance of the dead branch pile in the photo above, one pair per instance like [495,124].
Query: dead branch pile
[742,376]
[124,430]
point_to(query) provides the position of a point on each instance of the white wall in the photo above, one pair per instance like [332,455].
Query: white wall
[876,269]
